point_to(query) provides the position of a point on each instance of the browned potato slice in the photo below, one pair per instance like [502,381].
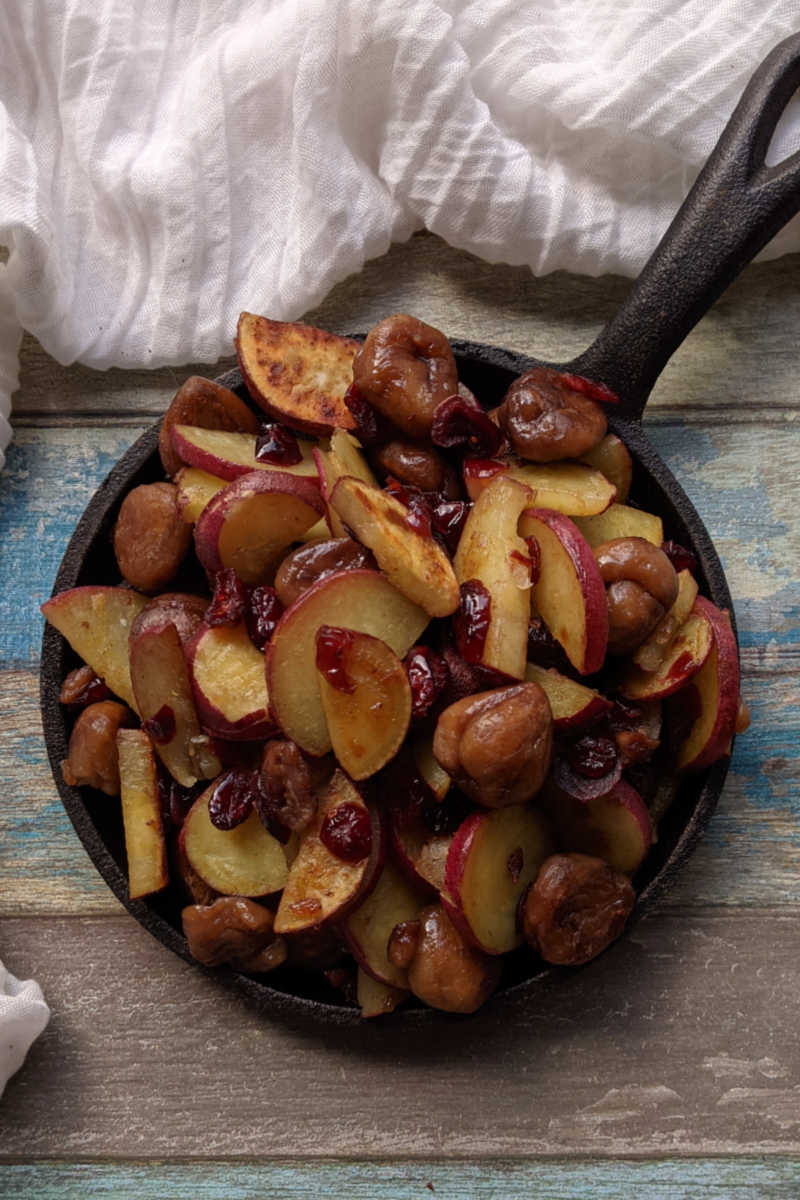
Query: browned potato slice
[413,561]
[491,551]
[145,843]
[297,373]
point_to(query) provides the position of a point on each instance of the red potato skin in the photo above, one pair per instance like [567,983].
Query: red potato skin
[192,456]
[677,678]
[592,585]
[718,743]
[375,861]
[372,870]
[454,873]
[183,610]
[402,856]
[213,719]
[210,522]
[203,402]
[583,716]
[290,613]
[595,707]
[629,799]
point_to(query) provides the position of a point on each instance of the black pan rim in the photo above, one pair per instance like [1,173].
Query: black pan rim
[270,999]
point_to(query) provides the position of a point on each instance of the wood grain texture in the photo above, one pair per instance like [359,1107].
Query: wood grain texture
[721,365]
[684,1179]
[750,855]
[681,1040]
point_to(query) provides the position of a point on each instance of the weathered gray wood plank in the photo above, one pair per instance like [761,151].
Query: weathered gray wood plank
[742,357]
[681,1040]
[684,1179]
[750,855]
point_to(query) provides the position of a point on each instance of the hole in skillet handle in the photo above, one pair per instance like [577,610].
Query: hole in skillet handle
[291,993]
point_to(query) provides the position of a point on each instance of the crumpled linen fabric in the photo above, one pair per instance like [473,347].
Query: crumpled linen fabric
[164,166]
[23,1016]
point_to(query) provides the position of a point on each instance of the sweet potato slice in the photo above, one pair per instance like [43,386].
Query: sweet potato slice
[412,560]
[297,373]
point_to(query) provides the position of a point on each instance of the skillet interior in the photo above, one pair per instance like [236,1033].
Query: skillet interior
[90,559]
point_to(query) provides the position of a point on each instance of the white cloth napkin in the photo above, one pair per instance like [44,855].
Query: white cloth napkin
[23,1016]
[164,166]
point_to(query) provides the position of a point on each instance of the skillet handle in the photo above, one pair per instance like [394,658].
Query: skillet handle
[736,206]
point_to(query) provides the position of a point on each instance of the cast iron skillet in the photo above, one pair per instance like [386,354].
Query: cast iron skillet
[735,207]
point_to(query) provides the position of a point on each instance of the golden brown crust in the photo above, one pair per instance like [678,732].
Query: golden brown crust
[297,373]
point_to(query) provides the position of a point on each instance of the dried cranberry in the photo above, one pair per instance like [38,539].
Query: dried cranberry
[464,678]
[229,602]
[176,800]
[447,522]
[332,644]
[347,832]
[419,510]
[484,469]
[457,424]
[419,516]
[277,445]
[625,714]
[471,620]
[428,676]
[371,426]
[232,799]
[264,610]
[583,787]
[161,726]
[591,388]
[592,756]
[400,491]
[681,558]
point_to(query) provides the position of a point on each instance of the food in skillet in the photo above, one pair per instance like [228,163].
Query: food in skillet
[434,688]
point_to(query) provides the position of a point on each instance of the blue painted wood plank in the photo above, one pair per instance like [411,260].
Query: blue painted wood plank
[49,478]
[742,481]
[683,1179]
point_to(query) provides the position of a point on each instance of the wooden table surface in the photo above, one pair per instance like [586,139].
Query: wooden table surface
[670,1068]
